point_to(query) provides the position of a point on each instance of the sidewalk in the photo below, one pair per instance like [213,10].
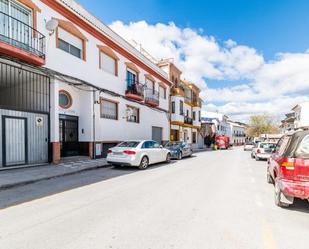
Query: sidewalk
[17,177]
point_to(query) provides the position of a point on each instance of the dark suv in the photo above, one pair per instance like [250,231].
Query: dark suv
[288,168]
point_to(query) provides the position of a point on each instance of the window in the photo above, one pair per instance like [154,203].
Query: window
[65,99]
[181,107]
[12,28]
[303,149]
[193,116]
[187,113]
[108,64]
[131,77]
[173,107]
[70,43]
[148,145]
[163,92]
[133,114]
[194,137]
[199,116]
[129,144]
[109,109]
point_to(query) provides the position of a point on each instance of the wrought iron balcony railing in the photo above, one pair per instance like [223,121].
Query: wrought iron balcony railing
[19,34]
[135,88]
[188,120]
[152,96]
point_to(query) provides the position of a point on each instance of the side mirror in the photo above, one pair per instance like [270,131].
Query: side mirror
[161,147]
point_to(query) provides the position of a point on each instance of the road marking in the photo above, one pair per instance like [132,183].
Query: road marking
[268,238]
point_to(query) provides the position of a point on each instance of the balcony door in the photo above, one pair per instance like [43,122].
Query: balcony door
[16,22]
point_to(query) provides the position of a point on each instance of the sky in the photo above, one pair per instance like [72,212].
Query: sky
[247,56]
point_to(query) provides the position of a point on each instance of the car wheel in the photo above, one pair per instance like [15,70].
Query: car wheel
[179,156]
[252,156]
[269,178]
[278,196]
[144,163]
[168,158]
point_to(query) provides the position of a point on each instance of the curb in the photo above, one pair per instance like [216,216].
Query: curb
[27,182]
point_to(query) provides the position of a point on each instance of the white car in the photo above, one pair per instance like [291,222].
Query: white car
[262,151]
[248,146]
[138,153]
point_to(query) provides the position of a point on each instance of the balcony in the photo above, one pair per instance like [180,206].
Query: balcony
[188,120]
[151,97]
[196,102]
[19,40]
[135,90]
[188,100]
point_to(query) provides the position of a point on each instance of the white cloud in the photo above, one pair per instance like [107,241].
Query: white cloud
[273,87]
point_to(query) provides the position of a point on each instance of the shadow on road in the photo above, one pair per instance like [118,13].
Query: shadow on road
[300,206]
[26,193]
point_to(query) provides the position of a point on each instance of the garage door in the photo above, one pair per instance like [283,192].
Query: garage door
[157,134]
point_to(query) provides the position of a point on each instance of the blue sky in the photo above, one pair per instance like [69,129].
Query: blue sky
[247,56]
[269,26]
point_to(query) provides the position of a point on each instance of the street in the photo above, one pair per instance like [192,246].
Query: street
[216,199]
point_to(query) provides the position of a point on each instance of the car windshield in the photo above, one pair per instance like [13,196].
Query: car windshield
[172,144]
[129,144]
[267,145]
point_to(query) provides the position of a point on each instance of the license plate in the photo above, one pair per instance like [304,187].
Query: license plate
[117,153]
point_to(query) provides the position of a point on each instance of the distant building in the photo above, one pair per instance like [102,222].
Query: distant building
[287,124]
[237,133]
[301,114]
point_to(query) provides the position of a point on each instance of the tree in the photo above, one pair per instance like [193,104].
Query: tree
[262,124]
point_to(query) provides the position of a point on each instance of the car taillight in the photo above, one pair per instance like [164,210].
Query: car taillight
[258,151]
[287,166]
[109,151]
[129,152]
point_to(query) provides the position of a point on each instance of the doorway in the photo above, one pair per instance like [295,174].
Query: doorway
[14,141]
[68,136]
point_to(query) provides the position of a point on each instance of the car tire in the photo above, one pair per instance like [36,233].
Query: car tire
[144,163]
[252,156]
[168,158]
[269,178]
[278,194]
[179,156]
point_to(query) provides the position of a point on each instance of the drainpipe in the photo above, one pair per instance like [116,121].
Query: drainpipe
[93,124]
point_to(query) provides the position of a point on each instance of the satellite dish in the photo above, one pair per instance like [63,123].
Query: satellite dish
[51,25]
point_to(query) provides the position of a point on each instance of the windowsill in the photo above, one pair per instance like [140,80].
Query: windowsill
[73,56]
[116,76]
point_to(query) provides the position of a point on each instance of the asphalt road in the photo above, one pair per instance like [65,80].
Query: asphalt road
[213,200]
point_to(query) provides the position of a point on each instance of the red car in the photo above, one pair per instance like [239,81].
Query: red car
[223,142]
[288,168]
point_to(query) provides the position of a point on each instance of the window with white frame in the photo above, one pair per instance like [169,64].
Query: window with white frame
[70,43]
[109,109]
[133,114]
[108,64]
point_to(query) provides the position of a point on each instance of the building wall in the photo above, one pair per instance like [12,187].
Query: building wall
[88,70]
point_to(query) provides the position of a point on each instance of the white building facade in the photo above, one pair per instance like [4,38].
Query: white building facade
[88,88]
[185,107]
[301,115]
[237,133]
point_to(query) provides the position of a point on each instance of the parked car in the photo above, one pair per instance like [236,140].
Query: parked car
[179,149]
[262,151]
[223,142]
[248,146]
[288,168]
[139,153]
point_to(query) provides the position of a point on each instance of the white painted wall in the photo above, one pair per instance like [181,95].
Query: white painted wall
[89,71]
